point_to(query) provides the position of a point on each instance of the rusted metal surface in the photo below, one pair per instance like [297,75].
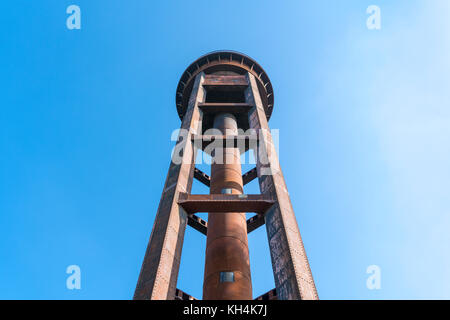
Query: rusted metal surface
[271,295]
[201,225]
[159,271]
[225,83]
[292,273]
[227,263]
[198,224]
[250,176]
[225,90]
[194,203]
[202,177]
[235,108]
[233,103]
[181,295]
[224,61]
[255,222]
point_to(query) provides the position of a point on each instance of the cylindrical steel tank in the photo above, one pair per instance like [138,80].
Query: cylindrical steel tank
[227,267]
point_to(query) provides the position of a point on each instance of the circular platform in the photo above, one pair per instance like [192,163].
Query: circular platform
[224,61]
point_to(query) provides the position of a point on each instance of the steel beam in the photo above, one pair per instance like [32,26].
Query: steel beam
[225,83]
[181,295]
[270,295]
[201,225]
[198,224]
[194,203]
[234,108]
[255,222]
[202,177]
[249,176]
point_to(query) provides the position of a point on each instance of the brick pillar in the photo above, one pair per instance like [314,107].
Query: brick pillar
[293,277]
[159,271]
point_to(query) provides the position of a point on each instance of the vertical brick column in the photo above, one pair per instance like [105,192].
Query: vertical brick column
[159,271]
[293,277]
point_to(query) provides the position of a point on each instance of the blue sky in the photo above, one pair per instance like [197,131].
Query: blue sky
[87,117]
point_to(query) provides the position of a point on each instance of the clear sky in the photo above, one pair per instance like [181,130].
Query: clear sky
[87,115]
